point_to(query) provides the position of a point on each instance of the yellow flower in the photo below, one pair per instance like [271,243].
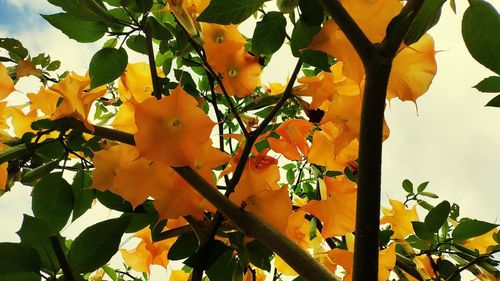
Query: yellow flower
[400,219]
[6,83]
[482,243]
[294,133]
[171,129]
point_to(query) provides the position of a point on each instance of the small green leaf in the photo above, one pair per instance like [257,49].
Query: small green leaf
[107,65]
[481,30]
[184,247]
[14,47]
[269,34]
[36,233]
[80,30]
[471,228]
[96,244]
[138,43]
[489,85]
[447,269]
[421,187]
[495,102]
[408,186]
[426,18]
[421,231]
[223,268]
[385,237]
[312,12]
[437,216]
[54,65]
[18,258]
[13,152]
[52,200]
[113,201]
[82,193]
[229,11]
[429,194]
[302,36]
[259,255]
[317,59]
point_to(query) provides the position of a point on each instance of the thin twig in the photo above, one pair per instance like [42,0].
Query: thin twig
[61,258]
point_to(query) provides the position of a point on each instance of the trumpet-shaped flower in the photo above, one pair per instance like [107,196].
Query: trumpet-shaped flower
[6,83]
[171,129]
[400,218]
[294,133]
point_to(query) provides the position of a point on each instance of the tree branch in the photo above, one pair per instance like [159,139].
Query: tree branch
[63,262]
[354,34]
[248,223]
[152,64]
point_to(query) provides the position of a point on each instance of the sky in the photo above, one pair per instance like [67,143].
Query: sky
[449,139]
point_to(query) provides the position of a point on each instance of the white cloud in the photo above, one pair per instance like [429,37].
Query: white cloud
[31,5]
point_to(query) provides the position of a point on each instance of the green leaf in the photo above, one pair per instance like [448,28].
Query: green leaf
[223,268]
[489,85]
[184,247]
[39,171]
[13,152]
[421,187]
[80,30]
[302,36]
[259,255]
[447,269]
[312,12]
[429,194]
[385,236]
[82,193]
[481,30]
[107,65]
[495,102]
[421,231]
[113,201]
[471,228]
[269,34]
[138,43]
[18,258]
[96,244]
[437,216]
[408,186]
[54,65]
[53,200]
[14,47]
[426,18]
[36,233]
[158,31]
[317,59]
[229,11]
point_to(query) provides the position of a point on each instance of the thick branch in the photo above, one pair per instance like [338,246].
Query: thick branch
[152,64]
[248,223]
[354,34]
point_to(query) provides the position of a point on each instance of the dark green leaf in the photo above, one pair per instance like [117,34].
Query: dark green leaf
[96,244]
[82,193]
[421,231]
[437,216]
[74,8]
[408,186]
[54,65]
[143,215]
[429,194]
[302,35]
[385,236]
[481,30]
[20,276]
[17,258]
[495,102]
[229,11]
[13,152]
[418,243]
[159,31]
[107,65]
[489,85]
[454,211]
[39,171]
[290,176]
[53,200]
[223,268]
[259,255]
[426,18]
[421,187]
[269,34]
[113,201]
[138,43]
[447,269]
[312,12]
[14,47]
[216,250]
[317,59]
[36,233]
[184,247]
[80,30]
[471,228]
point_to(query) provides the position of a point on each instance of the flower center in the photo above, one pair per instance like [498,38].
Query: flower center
[172,125]
[232,73]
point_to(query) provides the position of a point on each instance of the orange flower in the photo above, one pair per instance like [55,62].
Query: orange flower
[125,118]
[413,70]
[3,170]
[77,101]
[171,129]
[338,210]
[294,133]
[483,243]
[400,219]
[45,100]
[21,121]
[135,83]
[6,83]
[217,37]
[276,216]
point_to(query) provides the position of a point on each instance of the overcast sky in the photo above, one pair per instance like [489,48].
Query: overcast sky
[453,141]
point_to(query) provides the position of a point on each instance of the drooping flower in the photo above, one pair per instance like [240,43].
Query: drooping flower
[484,243]
[400,218]
[77,99]
[135,83]
[293,139]
[171,129]
[6,83]
[338,210]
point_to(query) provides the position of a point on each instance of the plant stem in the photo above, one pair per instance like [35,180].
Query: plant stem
[63,262]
